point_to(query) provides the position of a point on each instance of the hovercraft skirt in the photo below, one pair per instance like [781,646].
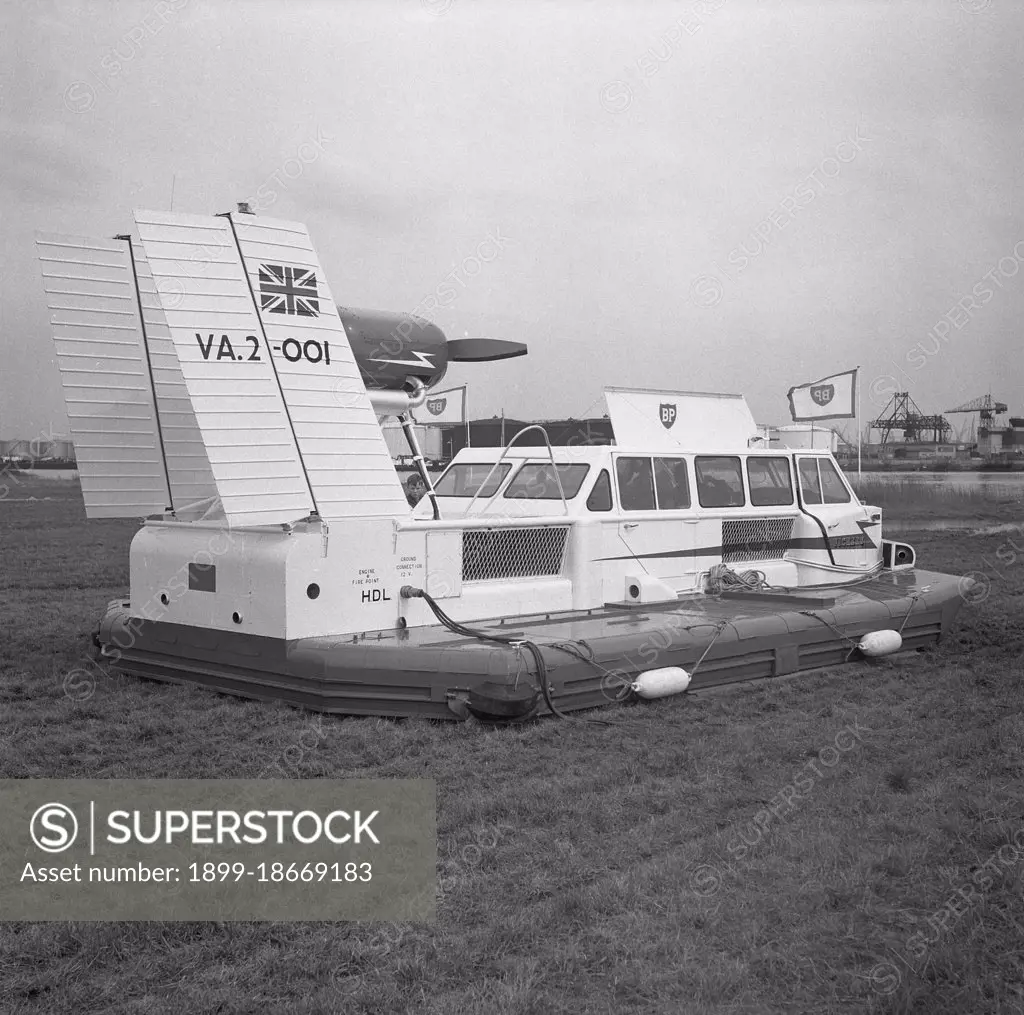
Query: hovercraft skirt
[426,671]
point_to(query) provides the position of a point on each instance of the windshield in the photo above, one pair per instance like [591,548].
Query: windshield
[465,480]
[538,482]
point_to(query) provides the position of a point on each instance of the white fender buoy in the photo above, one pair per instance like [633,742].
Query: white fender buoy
[661,683]
[880,643]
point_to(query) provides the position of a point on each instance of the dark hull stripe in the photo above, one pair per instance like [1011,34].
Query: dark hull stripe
[757,548]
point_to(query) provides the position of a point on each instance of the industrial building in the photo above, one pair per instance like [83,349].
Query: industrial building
[428,438]
[804,435]
[39,449]
[1003,440]
[991,436]
[497,431]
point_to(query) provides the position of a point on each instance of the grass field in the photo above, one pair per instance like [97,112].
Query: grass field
[850,840]
[907,500]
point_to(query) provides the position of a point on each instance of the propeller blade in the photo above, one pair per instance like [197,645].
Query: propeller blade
[483,350]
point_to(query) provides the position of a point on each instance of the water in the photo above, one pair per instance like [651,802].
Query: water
[994,484]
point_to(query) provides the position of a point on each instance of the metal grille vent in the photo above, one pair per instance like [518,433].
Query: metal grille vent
[751,539]
[491,554]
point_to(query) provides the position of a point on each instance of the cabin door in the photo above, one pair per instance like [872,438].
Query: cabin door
[852,538]
[660,546]
[656,534]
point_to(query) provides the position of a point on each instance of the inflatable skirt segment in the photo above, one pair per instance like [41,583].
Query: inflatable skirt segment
[591,657]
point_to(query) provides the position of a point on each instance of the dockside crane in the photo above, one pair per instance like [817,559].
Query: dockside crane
[987,408]
[903,414]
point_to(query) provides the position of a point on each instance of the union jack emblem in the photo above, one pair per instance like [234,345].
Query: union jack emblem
[288,290]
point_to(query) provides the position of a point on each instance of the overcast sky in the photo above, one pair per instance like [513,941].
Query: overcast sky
[722,196]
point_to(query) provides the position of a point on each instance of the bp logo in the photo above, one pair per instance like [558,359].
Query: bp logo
[435,406]
[667,412]
[822,394]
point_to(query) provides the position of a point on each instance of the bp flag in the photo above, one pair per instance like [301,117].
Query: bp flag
[443,407]
[832,397]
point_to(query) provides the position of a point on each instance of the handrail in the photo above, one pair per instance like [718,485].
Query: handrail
[501,458]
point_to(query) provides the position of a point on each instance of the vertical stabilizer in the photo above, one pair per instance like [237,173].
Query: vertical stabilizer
[347,461]
[193,490]
[228,374]
[105,373]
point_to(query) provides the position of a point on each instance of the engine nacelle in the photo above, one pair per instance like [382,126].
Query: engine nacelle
[390,348]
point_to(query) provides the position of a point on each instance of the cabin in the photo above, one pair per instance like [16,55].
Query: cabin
[608,519]
[518,530]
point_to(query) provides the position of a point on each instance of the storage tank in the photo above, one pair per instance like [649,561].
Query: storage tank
[430,442]
[803,435]
[394,437]
[37,447]
[428,437]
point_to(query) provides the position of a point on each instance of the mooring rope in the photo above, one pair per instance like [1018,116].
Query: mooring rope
[915,596]
[719,628]
[855,646]
[722,577]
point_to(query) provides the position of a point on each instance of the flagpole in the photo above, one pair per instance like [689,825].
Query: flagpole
[858,424]
[465,412]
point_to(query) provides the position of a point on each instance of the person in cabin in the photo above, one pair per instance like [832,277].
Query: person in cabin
[414,489]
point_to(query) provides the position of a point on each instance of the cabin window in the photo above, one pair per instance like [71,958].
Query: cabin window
[719,482]
[769,481]
[636,485]
[600,498]
[671,483]
[832,486]
[810,486]
[538,482]
[464,480]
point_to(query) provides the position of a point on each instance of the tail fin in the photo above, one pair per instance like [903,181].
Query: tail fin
[205,368]
[130,418]
[229,380]
[193,490]
[276,390]
[347,460]
[105,373]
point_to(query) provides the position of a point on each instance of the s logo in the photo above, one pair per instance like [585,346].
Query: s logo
[667,412]
[53,827]
[435,406]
